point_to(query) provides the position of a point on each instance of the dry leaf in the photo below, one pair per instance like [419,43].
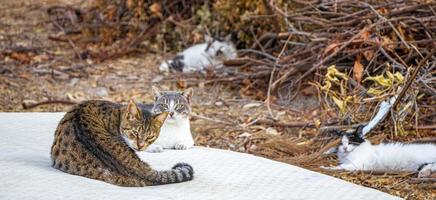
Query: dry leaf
[182,84]
[155,8]
[387,43]
[246,82]
[401,31]
[244,135]
[76,96]
[365,34]
[339,103]
[41,58]
[331,47]
[130,4]
[111,12]
[309,91]
[383,11]
[271,131]
[251,105]
[368,54]
[27,102]
[358,69]
[317,123]
[157,79]
[25,75]
[21,57]
[197,37]
[201,84]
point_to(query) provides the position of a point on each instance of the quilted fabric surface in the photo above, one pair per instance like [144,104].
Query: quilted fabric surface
[25,172]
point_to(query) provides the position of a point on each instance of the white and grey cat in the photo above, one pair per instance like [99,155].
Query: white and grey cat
[209,54]
[362,155]
[175,133]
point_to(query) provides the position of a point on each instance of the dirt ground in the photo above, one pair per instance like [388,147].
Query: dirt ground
[35,69]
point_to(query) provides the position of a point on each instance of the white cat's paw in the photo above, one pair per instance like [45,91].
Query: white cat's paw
[424,172]
[181,147]
[155,149]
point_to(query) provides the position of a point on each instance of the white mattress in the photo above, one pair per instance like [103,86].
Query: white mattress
[25,172]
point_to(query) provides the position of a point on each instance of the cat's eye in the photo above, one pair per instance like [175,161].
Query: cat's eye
[179,107]
[163,106]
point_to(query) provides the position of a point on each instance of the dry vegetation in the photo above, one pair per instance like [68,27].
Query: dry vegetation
[274,99]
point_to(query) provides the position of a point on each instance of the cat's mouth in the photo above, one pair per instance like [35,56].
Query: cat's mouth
[171,119]
[140,148]
[174,118]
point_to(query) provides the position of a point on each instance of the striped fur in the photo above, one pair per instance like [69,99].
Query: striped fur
[89,142]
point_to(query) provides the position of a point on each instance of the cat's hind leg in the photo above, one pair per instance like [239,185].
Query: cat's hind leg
[115,178]
[126,181]
[427,170]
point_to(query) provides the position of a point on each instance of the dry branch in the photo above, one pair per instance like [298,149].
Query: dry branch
[34,105]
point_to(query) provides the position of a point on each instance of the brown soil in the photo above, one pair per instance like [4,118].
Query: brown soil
[34,69]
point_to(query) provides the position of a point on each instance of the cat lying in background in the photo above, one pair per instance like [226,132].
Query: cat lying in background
[356,153]
[176,131]
[210,54]
[95,139]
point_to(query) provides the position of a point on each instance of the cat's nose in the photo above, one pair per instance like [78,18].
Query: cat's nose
[171,114]
[140,145]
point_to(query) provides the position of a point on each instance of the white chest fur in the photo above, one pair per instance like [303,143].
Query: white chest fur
[173,135]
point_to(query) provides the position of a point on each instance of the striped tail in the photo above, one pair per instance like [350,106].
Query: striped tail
[181,172]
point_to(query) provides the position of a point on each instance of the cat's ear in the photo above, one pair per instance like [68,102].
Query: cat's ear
[208,39]
[132,111]
[359,131]
[228,38]
[188,94]
[159,119]
[156,92]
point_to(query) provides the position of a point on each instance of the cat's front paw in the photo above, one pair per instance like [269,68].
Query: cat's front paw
[181,147]
[155,148]
[427,170]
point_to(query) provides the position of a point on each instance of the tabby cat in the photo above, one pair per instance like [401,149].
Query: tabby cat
[95,140]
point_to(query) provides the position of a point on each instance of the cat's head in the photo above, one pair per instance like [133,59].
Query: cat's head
[177,104]
[139,127]
[345,148]
[221,49]
[349,141]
